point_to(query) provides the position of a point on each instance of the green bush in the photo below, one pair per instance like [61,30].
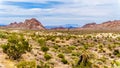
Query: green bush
[60,55]
[116,53]
[42,42]
[47,56]
[2,35]
[27,64]
[76,54]
[65,50]
[43,65]
[44,48]
[71,47]
[16,47]
[64,61]
[55,46]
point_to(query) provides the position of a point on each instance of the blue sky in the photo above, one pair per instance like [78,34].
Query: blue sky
[59,12]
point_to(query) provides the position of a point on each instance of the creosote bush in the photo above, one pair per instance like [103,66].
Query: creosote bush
[16,46]
[43,65]
[42,42]
[117,53]
[2,35]
[60,55]
[47,56]
[44,48]
[64,61]
[26,64]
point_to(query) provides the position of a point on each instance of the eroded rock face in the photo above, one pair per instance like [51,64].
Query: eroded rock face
[32,24]
[105,25]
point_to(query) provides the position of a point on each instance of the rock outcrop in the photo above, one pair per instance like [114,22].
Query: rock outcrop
[32,24]
[115,25]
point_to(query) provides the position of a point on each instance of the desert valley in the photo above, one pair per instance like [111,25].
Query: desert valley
[29,44]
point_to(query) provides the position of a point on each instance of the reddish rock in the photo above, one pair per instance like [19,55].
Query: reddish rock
[32,24]
[105,25]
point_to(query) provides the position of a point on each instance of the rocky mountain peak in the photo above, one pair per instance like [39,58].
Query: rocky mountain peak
[32,23]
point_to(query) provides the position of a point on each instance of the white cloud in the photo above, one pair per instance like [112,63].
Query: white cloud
[69,11]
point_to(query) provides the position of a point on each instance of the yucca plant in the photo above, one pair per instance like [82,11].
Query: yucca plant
[84,59]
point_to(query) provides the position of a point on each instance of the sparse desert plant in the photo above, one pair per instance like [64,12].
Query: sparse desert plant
[47,56]
[76,53]
[2,35]
[61,56]
[64,61]
[56,46]
[26,64]
[53,38]
[16,47]
[65,49]
[86,46]
[72,47]
[117,62]
[42,42]
[43,65]
[44,48]
[117,53]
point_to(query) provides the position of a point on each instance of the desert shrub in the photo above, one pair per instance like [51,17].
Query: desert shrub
[117,53]
[47,56]
[65,50]
[43,65]
[60,55]
[76,53]
[56,46]
[26,64]
[52,38]
[42,42]
[71,47]
[16,47]
[117,62]
[44,48]
[2,35]
[86,46]
[64,61]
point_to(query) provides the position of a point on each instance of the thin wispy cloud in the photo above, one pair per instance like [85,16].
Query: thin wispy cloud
[57,12]
[29,5]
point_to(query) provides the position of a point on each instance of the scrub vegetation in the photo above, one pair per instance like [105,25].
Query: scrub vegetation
[59,49]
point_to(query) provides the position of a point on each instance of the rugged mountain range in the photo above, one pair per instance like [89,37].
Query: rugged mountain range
[32,24]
